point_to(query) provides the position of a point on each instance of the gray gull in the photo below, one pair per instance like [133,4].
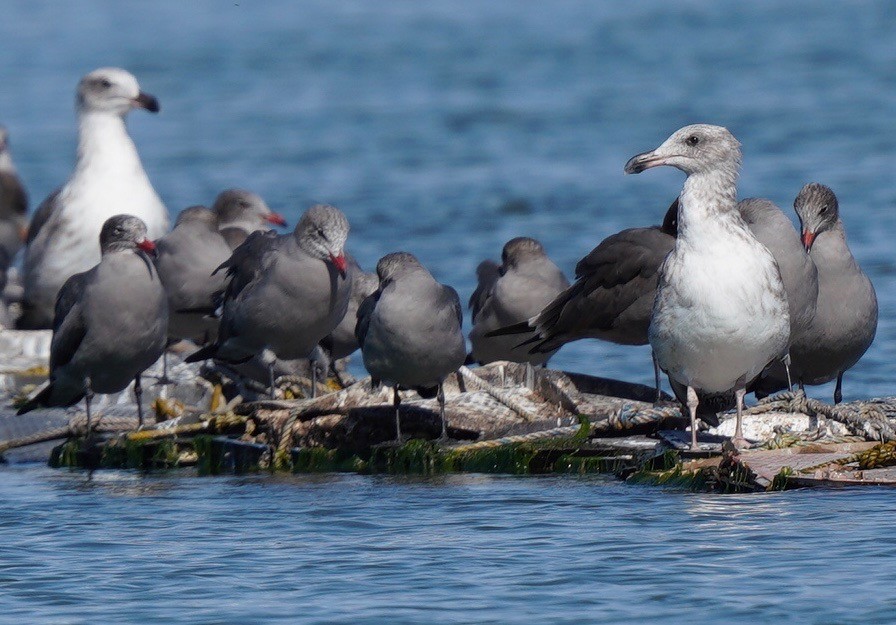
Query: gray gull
[410,331]
[285,292]
[240,213]
[13,208]
[110,322]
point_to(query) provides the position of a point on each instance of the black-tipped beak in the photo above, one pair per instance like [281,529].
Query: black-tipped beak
[146,101]
[646,160]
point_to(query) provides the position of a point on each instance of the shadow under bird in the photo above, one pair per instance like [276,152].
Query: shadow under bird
[240,213]
[721,312]
[13,208]
[845,320]
[110,322]
[510,293]
[108,175]
[410,332]
[284,292]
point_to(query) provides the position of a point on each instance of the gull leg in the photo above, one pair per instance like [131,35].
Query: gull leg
[692,408]
[138,393]
[739,441]
[656,377]
[164,380]
[786,361]
[441,398]
[313,365]
[269,358]
[530,376]
[838,392]
[88,397]
[396,401]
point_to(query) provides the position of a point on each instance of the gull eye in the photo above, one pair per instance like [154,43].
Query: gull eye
[692,140]
[320,233]
[105,83]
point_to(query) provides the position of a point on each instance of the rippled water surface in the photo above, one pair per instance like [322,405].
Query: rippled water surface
[446,129]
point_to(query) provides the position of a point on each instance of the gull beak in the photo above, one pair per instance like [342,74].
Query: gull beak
[339,263]
[808,239]
[148,246]
[645,160]
[275,218]
[146,101]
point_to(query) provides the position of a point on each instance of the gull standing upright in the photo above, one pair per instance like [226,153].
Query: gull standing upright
[846,317]
[240,213]
[525,282]
[285,292]
[721,312]
[410,331]
[108,177]
[110,324]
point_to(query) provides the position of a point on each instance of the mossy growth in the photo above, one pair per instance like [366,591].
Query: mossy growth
[780,481]
[320,460]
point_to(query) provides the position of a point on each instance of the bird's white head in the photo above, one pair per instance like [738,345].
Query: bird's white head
[698,148]
[113,90]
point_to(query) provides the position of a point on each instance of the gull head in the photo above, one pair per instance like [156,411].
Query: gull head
[198,215]
[125,232]
[818,210]
[238,207]
[322,232]
[519,250]
[395,264]
[113,90]
[694,149]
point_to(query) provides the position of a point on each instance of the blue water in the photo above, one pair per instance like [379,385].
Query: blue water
[445,129]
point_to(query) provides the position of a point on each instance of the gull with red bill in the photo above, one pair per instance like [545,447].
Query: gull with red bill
[240,213]
[108,177]
[846,313]
[110,324]
[721,314]
[285,292]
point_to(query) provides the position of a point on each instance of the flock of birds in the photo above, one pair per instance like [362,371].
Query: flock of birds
[730,297]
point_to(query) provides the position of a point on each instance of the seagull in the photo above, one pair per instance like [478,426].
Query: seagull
[186,258]
[110,322]
[525,282]
[240,213]
[284,293]
[845,321]
[410,332]
[721,312]
[108,176]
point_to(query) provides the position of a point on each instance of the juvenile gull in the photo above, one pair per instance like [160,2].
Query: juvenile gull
[13,208]
[240,213]
[410,331]
[845,321]
[525,282]
[285,292]
[110,322]
[108,177]
[186,259]
[721,313]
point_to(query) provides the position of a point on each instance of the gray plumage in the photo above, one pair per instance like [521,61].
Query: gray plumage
[108,177]
[285,292]
[110,322]
[186,260]
[240,213]
[721,313]
[342,341]
[525,282]
[845,320]
[13,208]
[410,330]
[612,297]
